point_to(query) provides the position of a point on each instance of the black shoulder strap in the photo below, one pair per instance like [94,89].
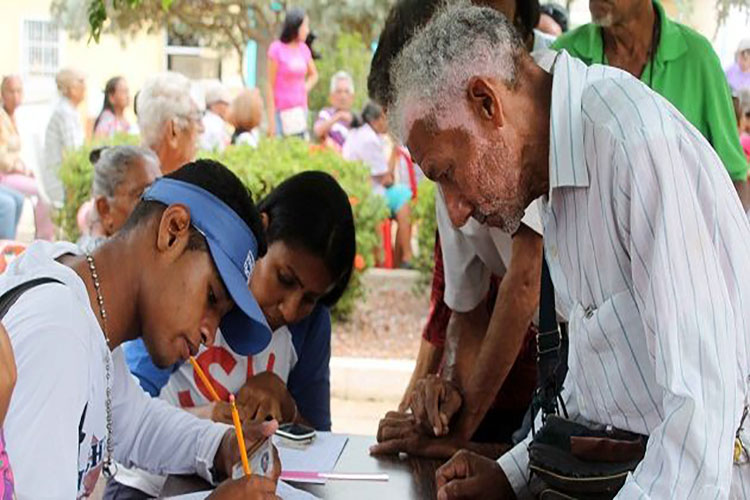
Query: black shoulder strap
[11,296]
[552,352]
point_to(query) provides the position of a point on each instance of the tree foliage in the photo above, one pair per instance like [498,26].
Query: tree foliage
[349,54]
[725,7]
[221,24]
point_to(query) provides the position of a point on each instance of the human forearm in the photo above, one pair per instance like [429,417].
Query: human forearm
[516,302]
[323,127]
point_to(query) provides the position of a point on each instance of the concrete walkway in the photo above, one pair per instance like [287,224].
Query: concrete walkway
[364,389]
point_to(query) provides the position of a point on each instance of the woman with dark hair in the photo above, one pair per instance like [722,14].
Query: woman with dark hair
[367,144]
[291,76]
[111,119]
[309,228]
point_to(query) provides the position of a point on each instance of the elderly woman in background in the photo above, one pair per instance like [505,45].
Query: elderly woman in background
[121,174]
[738,74]
[14,174]
[111,119]
[334,122]
[245,114]
[64,132]
[169,119]
[215,136]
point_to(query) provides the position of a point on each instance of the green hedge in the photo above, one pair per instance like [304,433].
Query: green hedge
[424,216]
[261,170]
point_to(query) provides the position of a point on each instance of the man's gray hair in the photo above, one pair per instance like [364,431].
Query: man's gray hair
[342,75]
[460,42]
[113,165]
[164,97]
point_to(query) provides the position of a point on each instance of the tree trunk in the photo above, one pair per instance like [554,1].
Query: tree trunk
[262,63]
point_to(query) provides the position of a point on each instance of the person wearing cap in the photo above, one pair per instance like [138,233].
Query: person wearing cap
[215,136]
[673,60]
[309,229]
[174,272]
[738,74]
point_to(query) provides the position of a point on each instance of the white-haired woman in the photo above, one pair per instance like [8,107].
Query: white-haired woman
[169,120]
[334,122]
[64,131]
[121,175]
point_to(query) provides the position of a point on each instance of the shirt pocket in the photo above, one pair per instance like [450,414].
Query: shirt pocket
[611,365]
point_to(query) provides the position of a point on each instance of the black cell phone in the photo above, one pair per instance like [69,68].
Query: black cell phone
[295,432]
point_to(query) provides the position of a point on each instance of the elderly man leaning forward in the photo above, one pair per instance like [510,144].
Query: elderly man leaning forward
[169,120]
[482,342]
[674,61]
[648,248]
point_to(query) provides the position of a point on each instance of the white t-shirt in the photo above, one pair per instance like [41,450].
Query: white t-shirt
[214,136]
[55,429]
[228,371]
[365,145]
[474,252]
[251,138]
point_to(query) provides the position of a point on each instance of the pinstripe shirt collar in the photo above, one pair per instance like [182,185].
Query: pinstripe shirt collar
[567,164]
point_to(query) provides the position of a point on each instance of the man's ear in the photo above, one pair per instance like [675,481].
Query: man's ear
[174,230]
[265,220]
[101,205]
[484,100]
[172,133]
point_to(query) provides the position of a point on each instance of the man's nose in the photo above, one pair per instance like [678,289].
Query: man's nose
[209,326]
[459,209]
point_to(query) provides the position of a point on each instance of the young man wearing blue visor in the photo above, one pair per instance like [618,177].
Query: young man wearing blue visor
[175,272]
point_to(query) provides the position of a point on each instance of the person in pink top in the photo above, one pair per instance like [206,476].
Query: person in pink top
[291,75]
[112,119]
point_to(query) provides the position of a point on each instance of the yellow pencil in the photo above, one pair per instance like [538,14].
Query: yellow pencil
[240,437]
[205,380]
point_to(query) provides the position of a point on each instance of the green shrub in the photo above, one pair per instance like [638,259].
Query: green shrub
[424,217]
[261,170]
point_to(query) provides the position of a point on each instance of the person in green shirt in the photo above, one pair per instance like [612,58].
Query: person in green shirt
[672,59]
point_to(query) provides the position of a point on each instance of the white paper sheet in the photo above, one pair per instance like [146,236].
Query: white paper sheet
[320,456]
[283,490]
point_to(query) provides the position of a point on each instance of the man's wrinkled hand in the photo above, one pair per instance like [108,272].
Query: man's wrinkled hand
[468,475]
[400,433]
[434,402]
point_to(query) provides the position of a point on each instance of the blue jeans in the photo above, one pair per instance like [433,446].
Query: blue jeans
[11,204]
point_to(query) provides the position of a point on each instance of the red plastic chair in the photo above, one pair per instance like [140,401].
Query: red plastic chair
[385,232]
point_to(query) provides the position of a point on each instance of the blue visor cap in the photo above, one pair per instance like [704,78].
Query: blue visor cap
[234,251]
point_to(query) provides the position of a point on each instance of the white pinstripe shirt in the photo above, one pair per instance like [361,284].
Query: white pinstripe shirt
[649,251]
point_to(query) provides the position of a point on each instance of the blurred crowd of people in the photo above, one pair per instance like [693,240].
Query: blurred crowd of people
[173,125]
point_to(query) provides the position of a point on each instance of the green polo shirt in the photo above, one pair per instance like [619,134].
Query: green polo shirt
[688,74]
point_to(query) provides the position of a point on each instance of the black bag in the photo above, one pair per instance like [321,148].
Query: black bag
[11,296]
[573,460]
